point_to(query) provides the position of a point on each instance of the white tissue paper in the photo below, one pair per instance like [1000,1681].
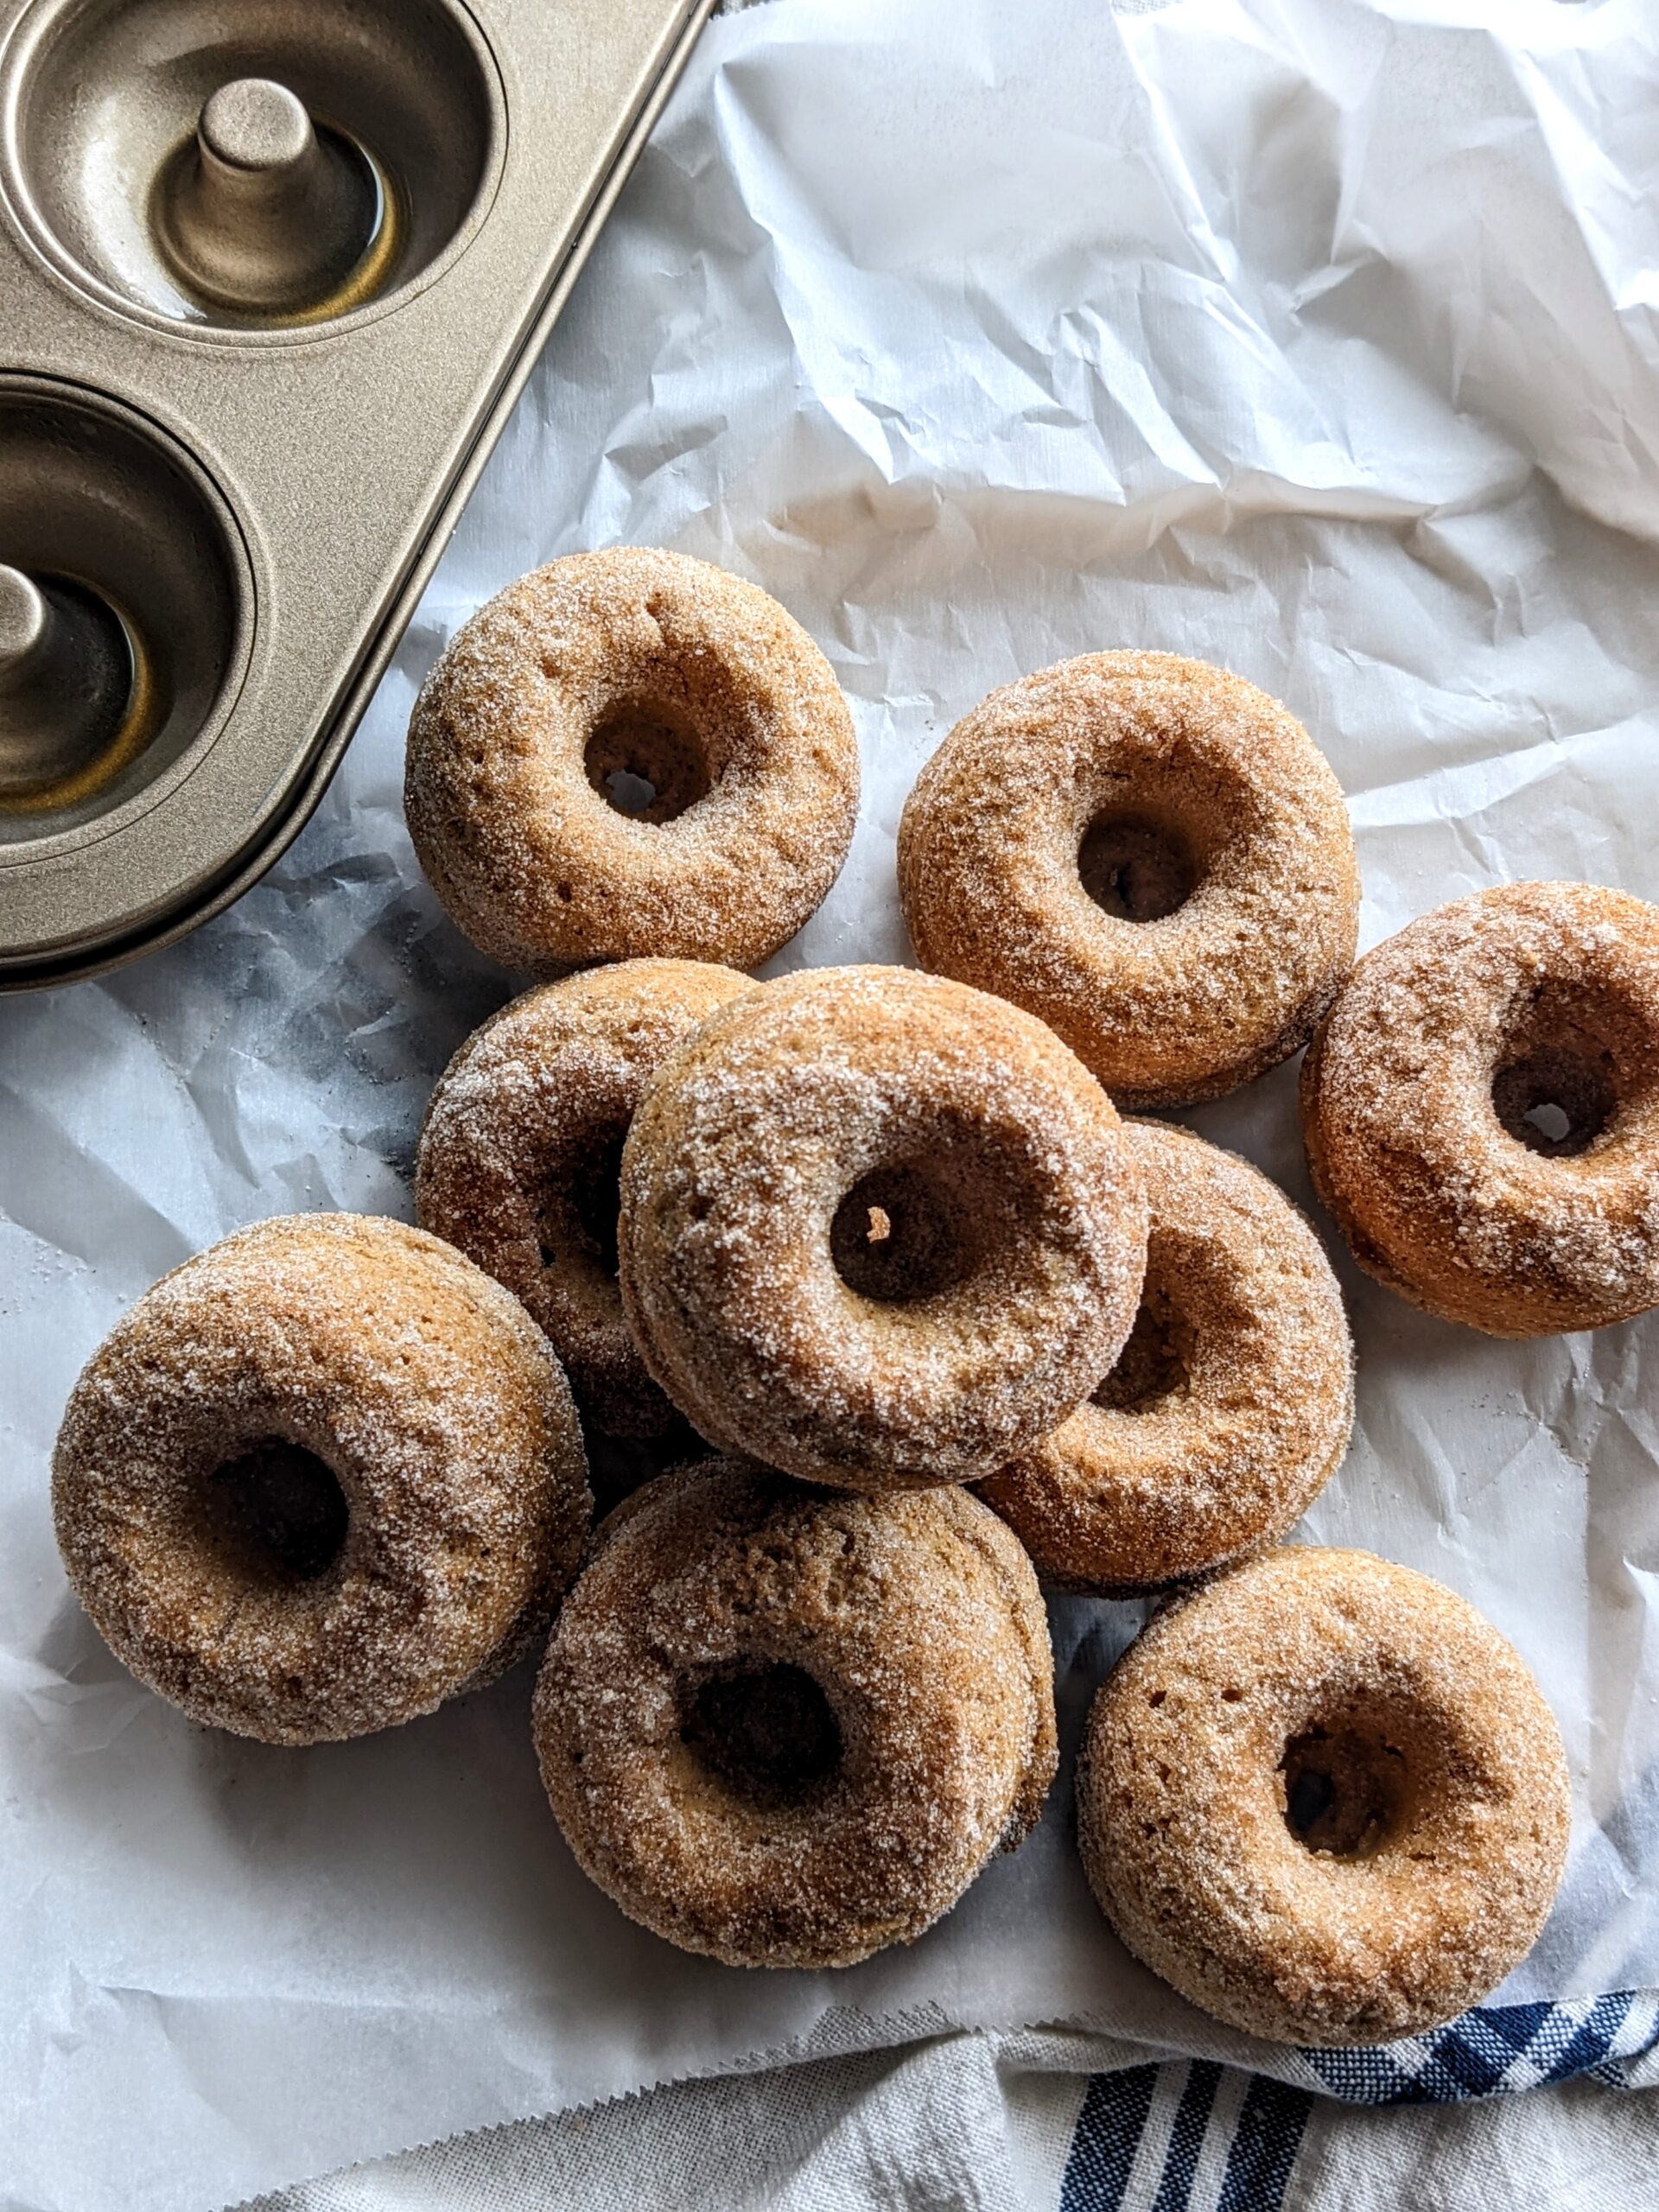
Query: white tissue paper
[1316,338]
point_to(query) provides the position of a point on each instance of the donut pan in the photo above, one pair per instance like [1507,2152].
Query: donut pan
[271,274]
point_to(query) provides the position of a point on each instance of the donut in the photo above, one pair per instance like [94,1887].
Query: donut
[320,1478]
[626,754]
[521,1151]
[1228,1406]
[1149,855]
[1324,1799]
[1481,1110]
[877,1230]
[786,1726]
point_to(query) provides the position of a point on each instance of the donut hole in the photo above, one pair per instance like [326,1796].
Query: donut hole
[1135,869]
[1557,1098]
[275,1514]
[577,1214]
[1347,1790]
[646,759]
[1152,1364]
[903,1232]
[768,1735]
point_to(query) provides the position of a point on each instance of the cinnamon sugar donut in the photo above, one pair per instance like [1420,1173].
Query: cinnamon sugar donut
[786,1726]
[1324,1799]
[522,1149]
[877,1228]
[1228,1406]
[1482,1109]
[1148,852]
[630,753]
[318,1479]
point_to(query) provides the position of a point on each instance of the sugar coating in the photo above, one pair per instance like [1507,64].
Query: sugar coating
[1168,1011]
[919,1618]
[534,863]
[1182,1802]
[435,1402]
[1217,1453]
[746,1141]
[1438,1200]
[530,1111]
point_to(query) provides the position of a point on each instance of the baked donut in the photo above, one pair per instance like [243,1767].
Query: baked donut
[320,1478]
[877,1228]
[1228,1406]
[1149,855]
[522,1148]
[1324,1799]
[1481,1110]
[786,1726]
[629,753]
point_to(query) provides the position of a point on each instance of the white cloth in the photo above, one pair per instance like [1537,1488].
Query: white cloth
[987,2124]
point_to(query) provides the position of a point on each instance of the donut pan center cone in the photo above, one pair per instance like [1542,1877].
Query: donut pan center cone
[274,273]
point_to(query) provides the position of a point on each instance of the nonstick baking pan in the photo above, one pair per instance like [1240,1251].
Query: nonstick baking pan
[271,275]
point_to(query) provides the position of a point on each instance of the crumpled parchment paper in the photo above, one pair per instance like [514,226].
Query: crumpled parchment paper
[1314,337]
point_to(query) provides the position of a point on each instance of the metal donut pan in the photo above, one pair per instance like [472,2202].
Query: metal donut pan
[272,273]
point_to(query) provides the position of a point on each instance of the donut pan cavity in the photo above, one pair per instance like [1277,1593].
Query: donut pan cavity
[273,273]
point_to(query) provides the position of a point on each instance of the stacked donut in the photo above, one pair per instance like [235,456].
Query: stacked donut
[868,1260]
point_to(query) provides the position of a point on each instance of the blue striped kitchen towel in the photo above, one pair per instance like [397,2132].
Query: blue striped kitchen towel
[1155,2119]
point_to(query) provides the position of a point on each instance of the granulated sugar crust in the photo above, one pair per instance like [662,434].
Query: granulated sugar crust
[436,1403]
[1168,1011]
[1182,1802]
[919,1618]
[534,863]
[520,1147]
[1438,1200]
[746,1140]
[1216,1446]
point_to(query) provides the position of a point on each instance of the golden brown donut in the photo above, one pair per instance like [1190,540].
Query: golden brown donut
[1324,1799]
[1148,854]
[320,1478]
[631,754]
[522,1148]
[786,1726]
[877,1228]
[1228,1406]
[1481,1110]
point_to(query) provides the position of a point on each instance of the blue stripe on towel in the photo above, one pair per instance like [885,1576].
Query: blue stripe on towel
[1493,2051]
[1187,2136]
[1107,2137]
[1264,2147]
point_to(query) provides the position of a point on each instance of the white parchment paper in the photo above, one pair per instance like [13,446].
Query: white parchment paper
[1312,337]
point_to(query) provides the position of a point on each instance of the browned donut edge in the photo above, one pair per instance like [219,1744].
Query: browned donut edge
[1264,1972]
[466,1201]
[1046,1497]
[941,950]
[499,798]
[968,1526]
[155,1654]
